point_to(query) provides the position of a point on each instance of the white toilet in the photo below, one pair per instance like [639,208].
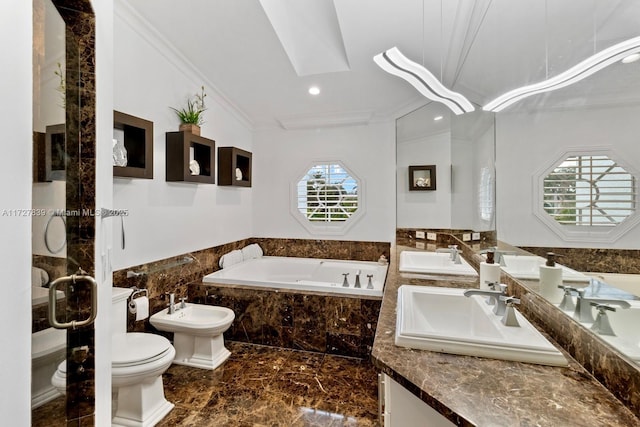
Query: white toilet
[138,362]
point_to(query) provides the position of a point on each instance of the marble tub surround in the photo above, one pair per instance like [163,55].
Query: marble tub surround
[473,391]
[159,280]
[594,259]
[324,323]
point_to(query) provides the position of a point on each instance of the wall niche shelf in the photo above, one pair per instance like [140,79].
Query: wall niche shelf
[137,136]
[234,167]
[422,178]
[182,149]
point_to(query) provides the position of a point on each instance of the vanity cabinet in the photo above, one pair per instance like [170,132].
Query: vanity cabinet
[137,136]
[401,408]
[234,167]
[190,158]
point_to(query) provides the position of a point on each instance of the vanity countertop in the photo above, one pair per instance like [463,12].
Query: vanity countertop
[473,391]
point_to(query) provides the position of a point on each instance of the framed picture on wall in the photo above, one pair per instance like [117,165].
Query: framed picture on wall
[422,178]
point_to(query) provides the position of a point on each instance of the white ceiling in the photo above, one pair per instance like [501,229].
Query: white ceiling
[480,48]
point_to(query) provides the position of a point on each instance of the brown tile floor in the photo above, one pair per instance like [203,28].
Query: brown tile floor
[267,386]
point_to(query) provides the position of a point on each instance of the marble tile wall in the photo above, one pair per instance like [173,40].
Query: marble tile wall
[407,237]
[594,259]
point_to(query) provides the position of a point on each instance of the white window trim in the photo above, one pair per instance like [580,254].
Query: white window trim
[339,228]
[583,234]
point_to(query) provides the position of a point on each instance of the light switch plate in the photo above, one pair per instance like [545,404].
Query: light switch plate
[431,236]
[419,234]
[419,245]
[475,236]
[466,237]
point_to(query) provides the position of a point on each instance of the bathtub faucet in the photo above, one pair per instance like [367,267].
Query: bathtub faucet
[345,283]
[357,284]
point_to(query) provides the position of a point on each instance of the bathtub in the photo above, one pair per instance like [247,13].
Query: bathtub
[627,282]
[303,274]
[48,349]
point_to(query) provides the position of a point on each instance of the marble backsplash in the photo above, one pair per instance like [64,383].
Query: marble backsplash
[594,259]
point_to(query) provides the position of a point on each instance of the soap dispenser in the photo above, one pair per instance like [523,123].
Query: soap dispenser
[551,279]
[489,271]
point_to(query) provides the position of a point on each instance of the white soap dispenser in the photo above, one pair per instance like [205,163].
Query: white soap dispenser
[489,271]
[551,279]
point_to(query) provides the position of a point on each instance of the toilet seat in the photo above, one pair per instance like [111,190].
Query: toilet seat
[136,348]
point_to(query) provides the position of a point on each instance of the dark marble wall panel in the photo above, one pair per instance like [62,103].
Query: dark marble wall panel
[593,259]
[407,237]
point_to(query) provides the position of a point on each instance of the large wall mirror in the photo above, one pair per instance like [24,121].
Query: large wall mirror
[63,199]
[595,115]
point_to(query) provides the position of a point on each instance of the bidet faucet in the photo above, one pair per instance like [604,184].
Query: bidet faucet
[172,303]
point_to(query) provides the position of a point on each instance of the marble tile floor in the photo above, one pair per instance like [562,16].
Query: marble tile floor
[266,386]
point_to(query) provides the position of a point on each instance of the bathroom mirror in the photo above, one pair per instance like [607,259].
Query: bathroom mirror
[462,149]
[599,112]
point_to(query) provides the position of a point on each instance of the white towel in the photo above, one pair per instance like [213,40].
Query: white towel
[39,277]
[231,258]
[252,251]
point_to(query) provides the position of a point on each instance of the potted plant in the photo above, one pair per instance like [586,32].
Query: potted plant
[191,116]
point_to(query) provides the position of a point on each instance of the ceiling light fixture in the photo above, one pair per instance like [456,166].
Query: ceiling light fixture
[631,58]
[437,118]
[394,62]
[314,90]
[574,74]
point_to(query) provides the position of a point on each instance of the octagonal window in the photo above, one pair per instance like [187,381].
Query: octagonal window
[589,190]
[327,197]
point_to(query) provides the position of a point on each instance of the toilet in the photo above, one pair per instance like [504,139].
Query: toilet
[48,349]
[137,364]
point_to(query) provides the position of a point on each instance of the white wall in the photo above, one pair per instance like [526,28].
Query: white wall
[420,209]
[166,219]
[103,10]
[281,157]
[529,142]
[15,186]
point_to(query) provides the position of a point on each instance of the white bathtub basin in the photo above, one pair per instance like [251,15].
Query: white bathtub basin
[445,321]
[433,263]
[528,267]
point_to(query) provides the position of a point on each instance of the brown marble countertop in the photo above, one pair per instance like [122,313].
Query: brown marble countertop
[473,391]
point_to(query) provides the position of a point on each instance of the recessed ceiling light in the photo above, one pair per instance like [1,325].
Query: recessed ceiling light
[631,58]
[314,90]
[436,118]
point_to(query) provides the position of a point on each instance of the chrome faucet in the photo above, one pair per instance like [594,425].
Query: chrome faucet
[509,318]
[345,282]
[369,283]
[172,303]
[498,255]
[500,304]
[357,284]
[601,325]
[454,254]
[583,312]
[567,303]
[183,302]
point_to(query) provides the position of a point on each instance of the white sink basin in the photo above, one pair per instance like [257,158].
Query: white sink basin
[434,263]
[528,267]
[445,321]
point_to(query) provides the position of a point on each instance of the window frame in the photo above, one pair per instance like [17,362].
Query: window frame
[582,233]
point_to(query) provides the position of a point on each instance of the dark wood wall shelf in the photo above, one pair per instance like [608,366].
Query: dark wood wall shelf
[138,140]
[182,147]
[230,159]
